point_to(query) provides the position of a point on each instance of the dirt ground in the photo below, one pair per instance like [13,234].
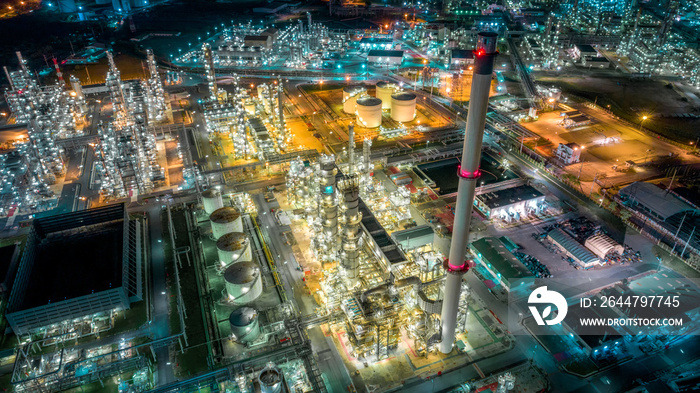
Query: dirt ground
[607,142]
[631,99]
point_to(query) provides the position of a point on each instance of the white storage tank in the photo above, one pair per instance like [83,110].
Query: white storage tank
[243,282]
[384,91]
[350,95]
[234,247]
[225,220]
[212,200]
[403,106]
[271,379]
[245,325]
[369,111]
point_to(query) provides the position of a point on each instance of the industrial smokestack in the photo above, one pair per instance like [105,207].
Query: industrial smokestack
[469,174]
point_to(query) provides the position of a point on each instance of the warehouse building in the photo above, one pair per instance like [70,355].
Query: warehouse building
[510,203]
[76,266]
[385,57]
[491,254]
[573,249]
[601,245]
[654,201]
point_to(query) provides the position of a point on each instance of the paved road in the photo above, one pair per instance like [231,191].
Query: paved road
[159,296]
[290,276]
[329,361]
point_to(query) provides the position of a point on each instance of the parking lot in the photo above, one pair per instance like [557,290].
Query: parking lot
[556,262]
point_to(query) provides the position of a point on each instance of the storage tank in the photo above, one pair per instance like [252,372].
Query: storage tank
[243,282]
[271,379]
[234,247]
[403,106]
[350,94]
[212,200]
[369,111]
[225,220]
[245,326]
[384,91]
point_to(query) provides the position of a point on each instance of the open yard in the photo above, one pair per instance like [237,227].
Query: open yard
[631,99]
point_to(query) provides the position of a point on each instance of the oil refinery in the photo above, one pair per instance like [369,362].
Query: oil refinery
[350,196]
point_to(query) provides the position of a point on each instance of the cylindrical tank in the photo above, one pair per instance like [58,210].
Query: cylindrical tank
[212,200]
[243,282]
[271,379]
[102,2]
[350,94]
[225,220]
[245,325]
[234,247]
[403,106]
[384,91]
[369,111]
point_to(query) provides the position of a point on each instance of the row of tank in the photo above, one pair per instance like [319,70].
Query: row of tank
[242,276]
[368,109]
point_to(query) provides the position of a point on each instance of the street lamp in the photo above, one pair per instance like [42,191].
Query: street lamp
[641,123]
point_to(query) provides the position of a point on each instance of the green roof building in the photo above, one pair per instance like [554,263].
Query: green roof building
[491,254]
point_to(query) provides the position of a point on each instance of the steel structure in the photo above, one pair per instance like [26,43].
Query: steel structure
[126,152]
[50,114]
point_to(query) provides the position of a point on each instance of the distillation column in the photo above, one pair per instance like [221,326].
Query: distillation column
[350,232]
[209,71]
[469,174]
[280,109]
[328,206]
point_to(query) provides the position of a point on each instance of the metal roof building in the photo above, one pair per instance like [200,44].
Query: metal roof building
[654,201]
[503,202]
[491,254]
[414,237]
[601,244]
[573,249]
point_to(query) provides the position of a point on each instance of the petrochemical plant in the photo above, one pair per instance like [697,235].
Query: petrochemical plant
[351,197]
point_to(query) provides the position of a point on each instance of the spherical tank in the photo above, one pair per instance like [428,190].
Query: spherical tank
[350,94]
[384,91]
[233,247]
[243,282]
[212,200]
[225,220]
[403,106]
[369,111]
[245,325]
[271,379]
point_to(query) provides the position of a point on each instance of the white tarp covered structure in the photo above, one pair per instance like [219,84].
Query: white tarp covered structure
[601,244]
